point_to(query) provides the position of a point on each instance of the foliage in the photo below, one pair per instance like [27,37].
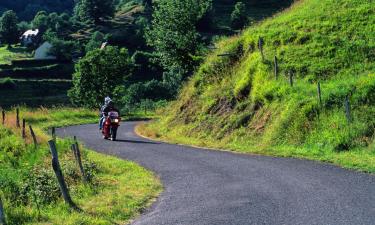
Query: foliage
[8,27]
[173,33]
[94,10]
[235,102]
[23,26]
[40,21]
[96,41]
[239,16]
[98,74]
[59,24]
[63,50]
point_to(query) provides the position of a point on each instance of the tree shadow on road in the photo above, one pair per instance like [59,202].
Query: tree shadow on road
[137,142]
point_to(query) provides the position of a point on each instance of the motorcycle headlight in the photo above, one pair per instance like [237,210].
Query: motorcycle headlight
[117,120]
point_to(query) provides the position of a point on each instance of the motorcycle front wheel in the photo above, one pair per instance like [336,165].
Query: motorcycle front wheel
[113,133]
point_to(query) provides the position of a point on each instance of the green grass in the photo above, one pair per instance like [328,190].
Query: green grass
[9,54]
[236,103]
[117,192]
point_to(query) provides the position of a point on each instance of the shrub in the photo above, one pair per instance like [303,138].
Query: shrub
[239,17]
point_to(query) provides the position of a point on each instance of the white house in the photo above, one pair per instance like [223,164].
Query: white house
[30,37]
[43,52]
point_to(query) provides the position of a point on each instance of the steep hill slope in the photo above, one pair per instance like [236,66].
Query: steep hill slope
[235,101]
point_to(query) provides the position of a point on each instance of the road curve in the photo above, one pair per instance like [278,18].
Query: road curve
[215,187]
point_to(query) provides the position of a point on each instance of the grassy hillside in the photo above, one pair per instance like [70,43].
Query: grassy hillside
[117,190]
[235,101]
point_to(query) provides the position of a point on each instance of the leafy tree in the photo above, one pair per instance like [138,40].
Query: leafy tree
[41,21]
[239,17]
[173,31]
[94,10]
[23,26]
[96,41]
[98,74]
[62,49]
[63,25]
[8,27]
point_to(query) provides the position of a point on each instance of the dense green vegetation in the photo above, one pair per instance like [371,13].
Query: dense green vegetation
[235,102]
[164,48]
[30,190]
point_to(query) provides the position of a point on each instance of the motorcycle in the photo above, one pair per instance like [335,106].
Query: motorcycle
[110,126]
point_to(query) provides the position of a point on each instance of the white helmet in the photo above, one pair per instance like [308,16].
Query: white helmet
[107,100]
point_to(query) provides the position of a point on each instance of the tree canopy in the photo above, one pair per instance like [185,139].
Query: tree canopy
[94,10]
[98,74]
[173,31]
[8,27]
[239,16]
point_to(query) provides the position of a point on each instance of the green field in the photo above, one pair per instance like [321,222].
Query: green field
[116,191]
[235,102]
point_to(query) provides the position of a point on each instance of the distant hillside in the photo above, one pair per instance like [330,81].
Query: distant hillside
[26,9]
[234,101]
[123,27]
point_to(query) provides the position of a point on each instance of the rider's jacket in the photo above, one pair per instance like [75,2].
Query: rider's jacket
[108,108]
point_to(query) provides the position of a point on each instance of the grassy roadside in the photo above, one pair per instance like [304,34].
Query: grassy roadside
[117,192]
[358,159]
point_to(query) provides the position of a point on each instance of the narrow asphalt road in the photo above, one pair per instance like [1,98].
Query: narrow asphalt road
[213,187]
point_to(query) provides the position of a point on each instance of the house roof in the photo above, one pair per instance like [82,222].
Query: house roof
[31,32]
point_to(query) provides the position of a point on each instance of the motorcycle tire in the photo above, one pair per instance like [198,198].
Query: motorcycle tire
[113,134]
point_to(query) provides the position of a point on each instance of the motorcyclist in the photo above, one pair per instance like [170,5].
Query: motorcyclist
[106,108]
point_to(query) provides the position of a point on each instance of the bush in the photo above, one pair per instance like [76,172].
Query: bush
[98,74]
[239,17]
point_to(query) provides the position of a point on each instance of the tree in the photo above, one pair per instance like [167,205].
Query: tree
[41,21]
[94,10]
[8,28]
[98,74]
[61,49]
[96,41]
[239,17]
[173,32]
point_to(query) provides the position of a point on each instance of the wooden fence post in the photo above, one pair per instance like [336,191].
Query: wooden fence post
[77,154]
[33,136]
[347,109]
[79,162]
[291,78]
[260,46]
[2,213]
[276,67]
[23,128]
[59,175]
[53,134]
[3,116]
[17,117]
[319,94]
